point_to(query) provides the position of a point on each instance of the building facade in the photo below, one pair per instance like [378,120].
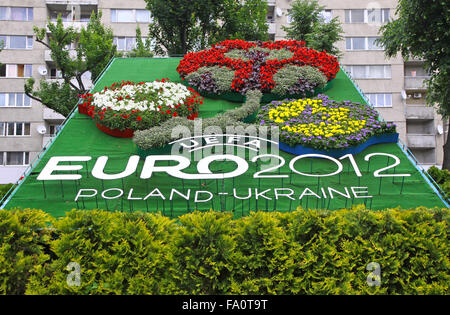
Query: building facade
[394,86]
[26,125]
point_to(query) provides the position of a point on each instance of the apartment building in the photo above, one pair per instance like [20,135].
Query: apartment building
[26,126]
[394,86]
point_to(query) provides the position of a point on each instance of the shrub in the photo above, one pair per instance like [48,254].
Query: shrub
[24,239]
[118,253]
[302,252]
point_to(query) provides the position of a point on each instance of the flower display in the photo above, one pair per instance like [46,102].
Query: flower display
[138,106]
[322,123]
[254,66]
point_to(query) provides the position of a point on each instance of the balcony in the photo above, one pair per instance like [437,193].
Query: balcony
[71,2]
[272,28]
[77,25]
[419,113]
[48,56]
[415,83]
[421,141]
[51,115]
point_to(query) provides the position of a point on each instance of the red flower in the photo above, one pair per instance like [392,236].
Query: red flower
[139,118]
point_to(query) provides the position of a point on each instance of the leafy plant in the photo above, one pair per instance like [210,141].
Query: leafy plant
[300,252]
[24,239]
[442,178]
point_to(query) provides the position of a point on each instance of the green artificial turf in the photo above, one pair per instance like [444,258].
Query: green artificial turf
[81,137]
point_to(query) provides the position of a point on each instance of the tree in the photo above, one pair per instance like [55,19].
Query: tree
[94,50]
[310,26]
[422,30]
[180,26]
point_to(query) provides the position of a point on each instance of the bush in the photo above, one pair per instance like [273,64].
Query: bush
[118,253]
[302,252]
[24,240]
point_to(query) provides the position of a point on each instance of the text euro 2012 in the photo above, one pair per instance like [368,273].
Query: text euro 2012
[182,163]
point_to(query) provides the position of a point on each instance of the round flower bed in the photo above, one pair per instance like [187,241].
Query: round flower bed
[277,69]
[124,107]
[323,124]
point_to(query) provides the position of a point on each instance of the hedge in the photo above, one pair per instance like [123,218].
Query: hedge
[302,252]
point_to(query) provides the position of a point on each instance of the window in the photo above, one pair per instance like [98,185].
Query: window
[14,129]
[362,43]
[16,71]
[367,16]
[2,129]
[143,16]
[14,100]
[14,158]
[125,43]
[380,99]
[55,73]
[369,71]
[354,16]
[16,13]
[128,15]
[16,42]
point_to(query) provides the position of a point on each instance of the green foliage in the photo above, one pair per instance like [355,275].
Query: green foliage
[307,25]
[302,252]
[4,189]
[159,136]
[118,253]
[24,239]
[442,178]
[246,20]
[289,75]
[94,50]
[59,96]
[181,26]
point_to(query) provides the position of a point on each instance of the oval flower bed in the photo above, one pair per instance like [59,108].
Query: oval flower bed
[279,69]
[124,107]
[323,126]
